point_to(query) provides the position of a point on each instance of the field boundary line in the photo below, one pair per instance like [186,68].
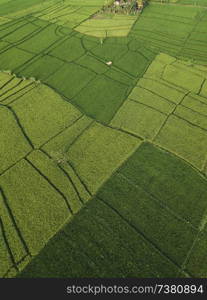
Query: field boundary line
[8,81]
[19,124]
[146,105]
[6,242]
[60,132]
[164,123]
[18,263]
[190,123]
[50,183]
[154,93]
[202,84]
[141,234]
[12,218]
[18,96]
[199,171]
[193,111]
[11,88]
[80,134]
[16,44]
[160,202]
[80,179]
[67,175]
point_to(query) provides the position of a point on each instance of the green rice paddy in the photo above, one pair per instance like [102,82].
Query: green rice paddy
[103,139]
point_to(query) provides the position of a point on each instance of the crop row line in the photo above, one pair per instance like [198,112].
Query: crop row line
[171,38]
[179,4]
[52,12]
[57,17]
[159,47]
[201,58]
[51,9]
[150,36]
[171,19]
[188,36]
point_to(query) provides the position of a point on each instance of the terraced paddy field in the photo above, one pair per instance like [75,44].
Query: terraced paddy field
[103,140]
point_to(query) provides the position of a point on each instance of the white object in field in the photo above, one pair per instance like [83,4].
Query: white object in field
[109,63]
[117,3]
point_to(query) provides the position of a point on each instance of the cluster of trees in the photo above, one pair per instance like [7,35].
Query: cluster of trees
[138,4]
[126,6]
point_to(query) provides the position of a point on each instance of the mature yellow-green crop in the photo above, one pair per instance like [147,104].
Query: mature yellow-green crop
[103,139]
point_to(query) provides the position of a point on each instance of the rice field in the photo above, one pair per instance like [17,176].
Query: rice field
[103,140]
